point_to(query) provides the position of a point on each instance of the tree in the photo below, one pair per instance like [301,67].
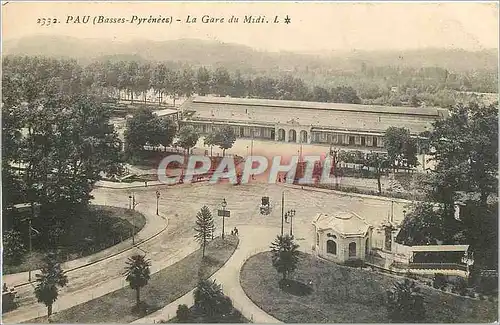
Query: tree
[285,255]
[159,75]
[405,303]
[13,247]
[344,95]
[137,133]
[52,277]
[466,153]
[210,140]
[210,301]
[187,82]
[182,313]
[379,162]
[320,94]
[137,274]
[202,83]
[162,131]
[225,138]
[188,137]
[66,145]
[423,225]
[238,87]
[145,128]
[221,82]
[401,148]
[204,227]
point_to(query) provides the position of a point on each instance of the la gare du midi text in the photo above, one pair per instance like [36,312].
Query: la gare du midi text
[205,19]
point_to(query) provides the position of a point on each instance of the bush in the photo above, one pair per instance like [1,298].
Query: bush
[13,247]
[182,313]
[412,276]
[460,287]
[355,263]
[439,281]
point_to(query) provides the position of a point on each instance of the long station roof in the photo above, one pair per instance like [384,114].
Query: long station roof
[319,115]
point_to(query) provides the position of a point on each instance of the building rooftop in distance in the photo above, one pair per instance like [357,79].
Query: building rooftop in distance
[165,112]
[340,117]
[400,110]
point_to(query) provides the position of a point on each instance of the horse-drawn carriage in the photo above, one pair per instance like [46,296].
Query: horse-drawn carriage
[265,207]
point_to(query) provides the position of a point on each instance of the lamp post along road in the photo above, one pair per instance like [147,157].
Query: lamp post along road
[157,199]
[224,214]
[133,205]
[291,215]
[282,211]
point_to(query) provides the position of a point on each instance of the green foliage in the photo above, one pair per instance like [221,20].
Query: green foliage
[401,148]
[58,133]
[137,273]
[48,281]
[188,137]
[202,83]
[182,313]
[204,227]
[285,255]
[466,153]
[145,128]
[460,286]
[13,247]
[210,301]
[225,138]
[423,225]
[405,303]
[439,281]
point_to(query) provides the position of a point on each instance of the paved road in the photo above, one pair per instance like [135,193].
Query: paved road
[180,204]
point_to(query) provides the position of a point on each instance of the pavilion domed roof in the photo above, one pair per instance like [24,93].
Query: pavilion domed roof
[343,222]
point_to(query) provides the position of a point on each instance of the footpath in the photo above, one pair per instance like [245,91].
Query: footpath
[80,269]
[253,240]
[153,227]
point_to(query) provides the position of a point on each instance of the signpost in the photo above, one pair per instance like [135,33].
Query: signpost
[224,214]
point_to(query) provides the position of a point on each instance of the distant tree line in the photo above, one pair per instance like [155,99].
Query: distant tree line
[132,80]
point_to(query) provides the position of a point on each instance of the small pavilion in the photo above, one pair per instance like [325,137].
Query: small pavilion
[342,236]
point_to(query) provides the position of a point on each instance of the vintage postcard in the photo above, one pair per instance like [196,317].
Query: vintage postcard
[249,162]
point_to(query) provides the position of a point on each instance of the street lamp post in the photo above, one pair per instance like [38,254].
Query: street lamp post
[34,212]
[133,205]
[282,211]
[290,214]
[223,204]
[157,199]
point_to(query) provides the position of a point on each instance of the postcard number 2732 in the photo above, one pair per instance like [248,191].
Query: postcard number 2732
[46,21]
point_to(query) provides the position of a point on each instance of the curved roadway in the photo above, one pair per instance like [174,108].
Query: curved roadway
[180,204]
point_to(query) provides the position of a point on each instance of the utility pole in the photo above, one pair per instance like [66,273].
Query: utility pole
[30,248]
[133,204]
[392,211]
[222,213]
[251,143]
[282,211]
[157,199]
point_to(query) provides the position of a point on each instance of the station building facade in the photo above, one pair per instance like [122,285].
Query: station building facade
[337,124]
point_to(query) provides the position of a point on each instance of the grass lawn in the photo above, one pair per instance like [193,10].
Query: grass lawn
[347,295]
[163,288]
[234,318]
[98,228]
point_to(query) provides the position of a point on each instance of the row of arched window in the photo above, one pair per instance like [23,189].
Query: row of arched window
[331,248]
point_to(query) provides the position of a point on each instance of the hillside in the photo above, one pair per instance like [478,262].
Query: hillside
[235,56]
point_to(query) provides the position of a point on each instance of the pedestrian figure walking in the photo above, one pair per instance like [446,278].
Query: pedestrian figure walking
[235,231]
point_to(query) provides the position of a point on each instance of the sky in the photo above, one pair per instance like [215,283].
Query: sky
[313,27]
